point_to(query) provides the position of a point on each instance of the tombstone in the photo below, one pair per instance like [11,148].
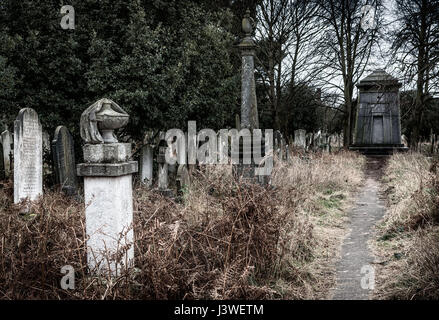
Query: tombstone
[2,165]
[287,153]
[108,189]
[183,178]
[46,142]
[378,122]
[63,151]
[163,177]
[300,138]
[6,138]
[146,165]
[28,156]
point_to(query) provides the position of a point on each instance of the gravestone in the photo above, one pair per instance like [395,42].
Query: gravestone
[6,138]
[28,156]
[378,121]
[146,160]
[163,177]
[63,151]
[108,189]
[300,138]
[2,165]
[183,178]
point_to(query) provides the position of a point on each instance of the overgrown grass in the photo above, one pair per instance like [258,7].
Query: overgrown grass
[224,240]
[407,242]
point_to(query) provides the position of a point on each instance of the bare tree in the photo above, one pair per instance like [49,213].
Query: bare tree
[285,31]
[416,50]
[346,48]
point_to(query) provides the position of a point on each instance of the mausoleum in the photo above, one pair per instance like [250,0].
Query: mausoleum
[378,121]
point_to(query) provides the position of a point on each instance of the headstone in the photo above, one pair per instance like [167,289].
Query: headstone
[63,151]
[28,156]
[183,179]
[46,142]
[300,138]
[163,177]
[2,165]
[146,165]
[108,189]
[6,138]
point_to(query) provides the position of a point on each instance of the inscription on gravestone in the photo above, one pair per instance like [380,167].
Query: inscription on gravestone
[64,160]
[28,156]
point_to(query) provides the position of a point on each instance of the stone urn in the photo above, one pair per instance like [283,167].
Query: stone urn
[109,120]
[100,120]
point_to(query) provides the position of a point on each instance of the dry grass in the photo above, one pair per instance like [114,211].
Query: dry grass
[224,240]
[408,237]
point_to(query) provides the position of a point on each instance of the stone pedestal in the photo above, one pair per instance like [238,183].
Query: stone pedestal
[108,195]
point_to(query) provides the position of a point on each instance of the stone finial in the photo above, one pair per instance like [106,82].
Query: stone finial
[247,24]
[100,120]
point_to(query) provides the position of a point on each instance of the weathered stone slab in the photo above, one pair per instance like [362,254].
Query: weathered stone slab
[146,165]
[106,169]
[28,156]
[107,153]
[6,138]
[300,138]
[109,215]
[63,152]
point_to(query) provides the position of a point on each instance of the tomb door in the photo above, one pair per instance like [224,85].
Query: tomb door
[378,130]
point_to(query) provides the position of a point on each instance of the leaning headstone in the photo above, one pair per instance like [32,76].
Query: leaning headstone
[28,156]
[300,138]
[63,152]
[6,138]
[108,189]
[146,165]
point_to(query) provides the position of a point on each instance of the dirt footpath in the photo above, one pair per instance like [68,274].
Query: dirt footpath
[355,268]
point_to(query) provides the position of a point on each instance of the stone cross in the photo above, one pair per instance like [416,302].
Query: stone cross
[63,152]
[6,138]
[108,189]
[249,107]
[28,156]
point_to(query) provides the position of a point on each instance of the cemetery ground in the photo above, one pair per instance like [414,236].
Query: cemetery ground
[223,239]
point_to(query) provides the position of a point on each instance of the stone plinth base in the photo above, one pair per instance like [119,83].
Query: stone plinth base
[379,149]
[108,196]
[109,218]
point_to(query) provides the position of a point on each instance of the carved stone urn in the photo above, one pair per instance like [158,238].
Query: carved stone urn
[100,120]
[110,120]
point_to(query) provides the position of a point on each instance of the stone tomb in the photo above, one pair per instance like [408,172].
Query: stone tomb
[63,152]
[378,122]
[28,156]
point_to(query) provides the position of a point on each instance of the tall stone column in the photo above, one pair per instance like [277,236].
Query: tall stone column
[249,107]
[108,191]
